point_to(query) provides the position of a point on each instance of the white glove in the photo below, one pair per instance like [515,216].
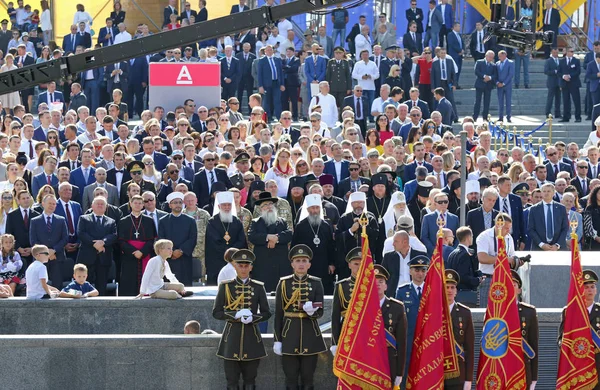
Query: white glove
[245,312]
[309,309]
[277,348]
[246,319]
[532,387]
[467,386]
[397,381]
[238,315]
[333,349]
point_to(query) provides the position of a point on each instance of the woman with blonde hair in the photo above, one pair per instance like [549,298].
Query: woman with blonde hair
[150,173]
[313,152]
[281,171]
[6,205]
[254,132]
[243,126]
[145,117]
[448,161]
[393,78]
[514,172]
[302,167]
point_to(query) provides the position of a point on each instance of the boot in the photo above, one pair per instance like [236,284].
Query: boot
[249,387]
[233,387]
[308,388]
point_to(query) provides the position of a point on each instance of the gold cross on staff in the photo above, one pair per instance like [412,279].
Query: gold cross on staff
[441,224]
[364,222]
[500,225]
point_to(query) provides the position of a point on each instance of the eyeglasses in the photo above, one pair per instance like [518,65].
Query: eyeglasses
[224,120]
[177,157]
[502,155]
[202,111]
[174,171]
[209,159]
[442,202]
[208,139]
[248,180]
[358,90]
[148,163]
[353,169]
[148,200]
[313,121]
[582,167]
[44,253]
[351,134]
[415,115]
[551,154]
[302,165]
[426,52]
[286,118]
[189,105]
[7,198]
[135,173]
[235,103]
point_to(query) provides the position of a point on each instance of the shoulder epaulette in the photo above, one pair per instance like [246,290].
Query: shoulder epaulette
[286,277]
[227,281]
[527,305]
[396,301]
[314,277]
[404,285]
[257,282]
[463,306]
[342,281]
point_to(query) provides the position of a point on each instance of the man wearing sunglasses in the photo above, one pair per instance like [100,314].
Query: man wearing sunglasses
[554,165]
[207,177]
[430,226]
[136,170]
[171,179]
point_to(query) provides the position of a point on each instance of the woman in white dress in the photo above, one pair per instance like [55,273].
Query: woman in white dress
[46,22]
[82,16]
[13,98]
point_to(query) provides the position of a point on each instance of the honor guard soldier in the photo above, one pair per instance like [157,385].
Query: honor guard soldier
[242,166]
[298,306]
[339,76]
[394,318]
[590,281]
[242,302]
[464,335]
[342,292]
[530,332]
[410,294]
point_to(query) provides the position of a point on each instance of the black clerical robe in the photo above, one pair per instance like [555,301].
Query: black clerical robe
[324,253]
[339,203]
[347,241]
[271,263]
[295,208]
[415,207]
[216,245]
[182,230]
[134,234]
[378,206]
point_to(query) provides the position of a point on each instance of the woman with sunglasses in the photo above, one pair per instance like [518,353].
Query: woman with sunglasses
[424,62]
[248,178]
[382,125]
[302,167]
[428,129]
[224,126]
[53,142]
[150,173]
[6,205]
[393,79]
[281,171]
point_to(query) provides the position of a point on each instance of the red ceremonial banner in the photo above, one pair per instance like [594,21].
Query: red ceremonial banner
[433,354]
[361,360]
[576,362]
[501,364]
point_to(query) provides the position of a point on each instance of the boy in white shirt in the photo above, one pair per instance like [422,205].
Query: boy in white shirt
[157,268]
[37,275]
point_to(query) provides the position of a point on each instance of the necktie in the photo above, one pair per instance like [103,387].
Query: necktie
[359,114]
[273,70]
[439,180]
[487,220]
[377,61]
[412,34]
[443,65]
[355,186]
[414,103]
[555,170]
[190,165]
[245,57]
[73,41]
[501,65]
[49,178]
[52,97]
[593,171]
[30,149]
[459,40]
[69,220]
[419,292]
[556,62]
[583,187]
[549,224]
[99,220]
[480,42]
[315,59]
[26,219]
[568,61]
[73,165]
[49,224]
[212,178]
[442,216]
[86,174]
[505,206]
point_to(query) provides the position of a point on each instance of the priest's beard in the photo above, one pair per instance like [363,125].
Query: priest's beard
[473,205]
[226,217]
[314,220]
[270,217]
[399,213]
[358,211]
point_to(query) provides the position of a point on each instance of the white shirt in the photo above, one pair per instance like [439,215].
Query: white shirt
[284,26]
[592,140]
[485,244]
[25,146]
[274,41]
[282,182]
[338,170]
[226,273]
[152,280]
[36,272]
[122,37]
[360,69]
[377,105]
[404,269]
[362,43]
[329,113]
[415,243]
[154,217]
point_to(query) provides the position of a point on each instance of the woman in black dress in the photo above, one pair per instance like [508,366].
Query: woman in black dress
[591,220]
[117,15]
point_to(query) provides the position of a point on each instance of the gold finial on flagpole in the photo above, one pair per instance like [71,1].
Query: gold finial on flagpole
[573,223]
[500,224]
[441,224]
[364,222]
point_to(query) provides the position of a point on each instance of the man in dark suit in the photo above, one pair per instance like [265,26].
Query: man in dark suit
[160,159]
[419,160]
[106,35]
[548,225]
[482,218]
[173,179]
[23,59]
[477,45]
[70,211]
[581,182]
[84,175]
[187,12]
[551,23]
[504,83]
[71,41]
[360,106]
[51,95]
[412,40]
[396,262]
[456,48]
[85,39]
[485,81]
[51,230]
[569,69]
[463,262]
[414,14]
[138,81]
[551,70]
[352,183]
[448,18]
[315,67]
[270,82]
[291,81]
[205,179]
[554,165]
[45,177]
[444,107]
[90,81]
[78,98]
[168,11]
[286,120]
[245,37]
[592,74]
[443,75]
[415,101]
[18,222]
[245,58]
[98,234]
[511,204]
[335,164]
[116,77]
[239,7]
[230,74]
[429,226]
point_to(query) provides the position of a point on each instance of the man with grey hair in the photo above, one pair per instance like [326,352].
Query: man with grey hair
[483,217]
[377,105]
[401,119]
[548,223]
[317,166]
[230,73]
[284,210]
[329,110]
[483,165]
[88,191]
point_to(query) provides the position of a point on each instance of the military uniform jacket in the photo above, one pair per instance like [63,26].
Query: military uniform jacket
[408,296]
[342,293]
[339,75]
[394,318]
[530,332]
[464,335]
[298,332]
[240,341]
[594,323]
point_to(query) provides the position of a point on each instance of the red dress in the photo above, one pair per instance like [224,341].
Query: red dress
[425,71]
[385,135]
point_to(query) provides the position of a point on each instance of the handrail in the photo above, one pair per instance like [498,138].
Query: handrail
[146,15]
[569,27]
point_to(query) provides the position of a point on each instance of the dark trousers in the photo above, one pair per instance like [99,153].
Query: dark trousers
[487,96]
[449,95]
[54,273]
[362,123]
[228,90]
[553,94]
[443,37]
[290,96]
[272,101]
[588,100]
[426,94]
[247,85]
[136,95]
[98,276]
[248,370]
[339,100]
[25,98]
[595,99]
[569,92]
[295,366]
[182,268]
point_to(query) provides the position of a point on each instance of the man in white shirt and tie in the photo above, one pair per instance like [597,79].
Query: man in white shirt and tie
[477,46]
[365,72]
[28,143]
[123,35]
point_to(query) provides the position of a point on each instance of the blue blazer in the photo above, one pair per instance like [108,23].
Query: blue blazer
[55,239]
[330,169]
[39,181]
[409,171]
[68,43]
[39,135]
[78,180]
[234,72]
[455,46]
[58,97]
[138,70]
[265,76]
[422,104]
[436,74]
[506,73]
[447,18]
[573,70]
[429,229]
[290,72]
[562,167]
[483,68]
[160,160]
[537,225]
[551,70]
[591,74]
[76,212]
[445,108]
[516,210]
[437,20]
[102,34]
[313,72]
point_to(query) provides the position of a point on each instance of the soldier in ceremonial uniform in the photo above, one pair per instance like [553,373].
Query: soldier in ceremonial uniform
[394,318]
[339,76]
[410,294]
[530,332]
[242,302]
[590,281]
[243,165]
[298,306]
[342,293]
[464,335]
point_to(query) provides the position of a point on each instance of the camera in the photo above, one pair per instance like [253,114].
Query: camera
[517,34]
